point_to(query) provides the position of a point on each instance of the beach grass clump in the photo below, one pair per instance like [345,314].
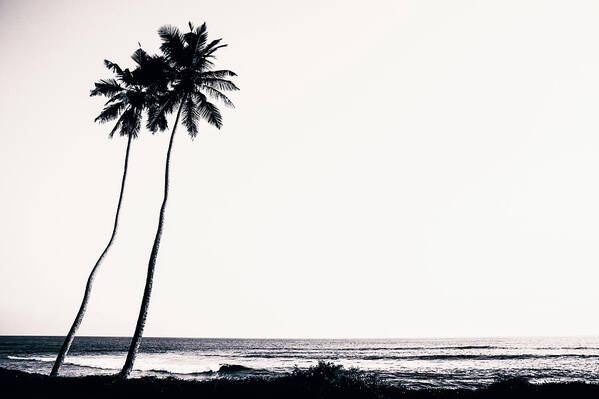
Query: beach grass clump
[329,380]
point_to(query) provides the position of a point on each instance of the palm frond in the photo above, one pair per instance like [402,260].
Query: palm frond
[219,74]
[201,57]
[217,95]
[131,122]
[157,113]
[191,116]
[139,56]
[106,87]
[160,124]
[212,47]
[172,42]
[220,84]
[202,36]
[204,64]
[210,112]
[196,40]
[113,67]
[110,112]
[212,44]
[127,77]
[116,126]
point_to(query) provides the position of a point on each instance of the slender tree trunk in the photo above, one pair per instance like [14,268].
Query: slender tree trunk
[145,303]
[90,280]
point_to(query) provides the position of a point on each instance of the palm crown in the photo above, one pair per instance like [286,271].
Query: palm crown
[193,81]
[132,92]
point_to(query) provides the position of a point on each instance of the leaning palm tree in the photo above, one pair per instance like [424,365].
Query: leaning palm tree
[129,94]
[193,83]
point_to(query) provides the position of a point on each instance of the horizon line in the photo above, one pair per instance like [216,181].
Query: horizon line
[320,338]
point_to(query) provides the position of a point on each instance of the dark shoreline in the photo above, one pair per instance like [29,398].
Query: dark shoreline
[322,381]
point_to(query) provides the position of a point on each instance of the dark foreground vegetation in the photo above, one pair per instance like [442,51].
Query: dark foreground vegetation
[322,381]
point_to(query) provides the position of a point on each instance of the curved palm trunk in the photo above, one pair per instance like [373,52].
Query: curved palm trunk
[145,303]
[90,280]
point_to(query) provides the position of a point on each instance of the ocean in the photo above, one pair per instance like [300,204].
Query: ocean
[413,363]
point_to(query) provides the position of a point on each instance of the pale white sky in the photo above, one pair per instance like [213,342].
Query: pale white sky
[392,169]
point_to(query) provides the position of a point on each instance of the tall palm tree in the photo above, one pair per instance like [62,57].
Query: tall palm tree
[193,83]
[129,94]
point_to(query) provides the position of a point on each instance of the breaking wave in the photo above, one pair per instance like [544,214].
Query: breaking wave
[114,363]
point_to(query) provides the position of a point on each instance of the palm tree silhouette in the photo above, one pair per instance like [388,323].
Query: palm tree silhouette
[193,82]
[129,95]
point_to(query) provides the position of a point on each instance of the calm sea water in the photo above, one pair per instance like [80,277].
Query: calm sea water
[415,363]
